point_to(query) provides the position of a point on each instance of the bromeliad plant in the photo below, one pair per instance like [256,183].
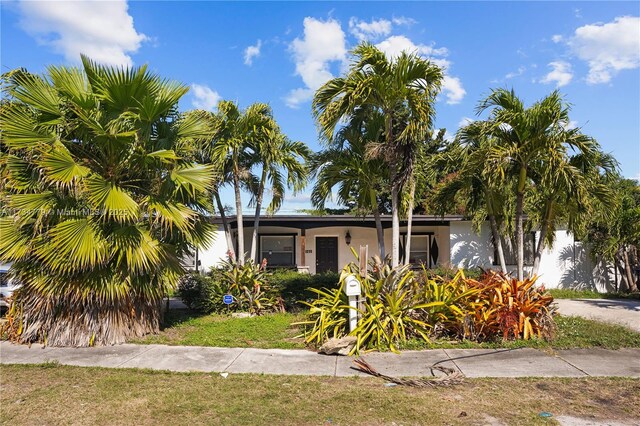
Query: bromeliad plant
[248,283]
[100,199]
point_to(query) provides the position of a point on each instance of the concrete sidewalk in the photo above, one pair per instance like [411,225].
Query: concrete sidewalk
[471,362]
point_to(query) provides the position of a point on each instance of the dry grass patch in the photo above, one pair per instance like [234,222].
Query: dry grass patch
[53,394]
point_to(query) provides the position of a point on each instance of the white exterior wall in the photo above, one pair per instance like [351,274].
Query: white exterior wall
[468,248]
[215,253]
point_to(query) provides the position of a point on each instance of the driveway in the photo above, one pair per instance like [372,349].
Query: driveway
[623,312]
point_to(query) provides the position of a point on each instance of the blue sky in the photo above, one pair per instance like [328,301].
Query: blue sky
[280,52]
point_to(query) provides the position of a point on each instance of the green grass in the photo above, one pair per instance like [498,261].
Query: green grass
[267,331]
[563,293]
[276,331]
[78,395]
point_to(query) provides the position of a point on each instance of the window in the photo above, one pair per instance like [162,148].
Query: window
[279,250]
[510,256]
[4,279]
[423,250]
[419,250]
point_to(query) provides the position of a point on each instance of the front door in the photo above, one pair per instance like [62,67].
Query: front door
[326,254]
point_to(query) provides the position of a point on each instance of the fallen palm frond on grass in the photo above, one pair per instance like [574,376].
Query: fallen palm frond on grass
[451,376]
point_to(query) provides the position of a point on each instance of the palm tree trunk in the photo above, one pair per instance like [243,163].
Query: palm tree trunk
[543,235]
[379,230]
[407,250]
[395,227]
[497,239]
[256,220]
[631,283]
[225,225]
[519,224]
[236,187]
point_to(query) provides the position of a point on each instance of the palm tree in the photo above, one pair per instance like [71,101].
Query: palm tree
[528,139]
[274,153]
[102,200]
[571,190]
[236,131]
[469,185]
[347,166]
[401,88]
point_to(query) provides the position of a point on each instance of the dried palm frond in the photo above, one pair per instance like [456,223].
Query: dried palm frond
[451,376]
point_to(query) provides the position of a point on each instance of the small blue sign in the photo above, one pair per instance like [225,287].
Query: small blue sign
[227,299]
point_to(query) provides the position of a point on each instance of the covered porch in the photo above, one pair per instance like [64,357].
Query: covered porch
[317,244]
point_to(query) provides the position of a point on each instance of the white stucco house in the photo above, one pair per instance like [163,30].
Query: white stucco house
[316,244]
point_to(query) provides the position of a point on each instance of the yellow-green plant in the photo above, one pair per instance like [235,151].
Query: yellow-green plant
[100,199]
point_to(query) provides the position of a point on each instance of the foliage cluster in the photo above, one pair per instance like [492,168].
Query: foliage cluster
[399,305]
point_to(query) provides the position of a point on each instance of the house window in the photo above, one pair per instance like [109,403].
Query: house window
[279,250]
[509,249]
[419,250]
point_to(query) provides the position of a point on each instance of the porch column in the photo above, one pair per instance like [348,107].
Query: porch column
[303,252]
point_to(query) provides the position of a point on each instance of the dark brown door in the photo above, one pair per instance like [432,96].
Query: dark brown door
[326,254]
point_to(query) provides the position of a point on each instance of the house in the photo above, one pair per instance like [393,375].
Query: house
[317,244]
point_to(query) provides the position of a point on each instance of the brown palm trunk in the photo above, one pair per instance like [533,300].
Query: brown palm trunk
[225,225]
[498,242]
[256,220]
[631,283]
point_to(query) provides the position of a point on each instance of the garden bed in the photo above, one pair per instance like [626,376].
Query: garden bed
[277,331]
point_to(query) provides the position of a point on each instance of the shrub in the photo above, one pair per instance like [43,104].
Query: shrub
[294,287]
[250,289]
[399,304]
[201,293]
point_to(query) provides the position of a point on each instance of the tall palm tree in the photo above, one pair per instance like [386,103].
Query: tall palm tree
[527,139]
[347,165]
[274,153]
[404,87]
[468,184]
[236,131]
[102,200]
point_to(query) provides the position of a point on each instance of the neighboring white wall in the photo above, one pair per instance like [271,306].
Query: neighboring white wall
[215,253]
[468,248]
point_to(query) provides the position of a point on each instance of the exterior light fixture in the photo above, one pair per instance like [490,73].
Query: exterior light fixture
[347,238]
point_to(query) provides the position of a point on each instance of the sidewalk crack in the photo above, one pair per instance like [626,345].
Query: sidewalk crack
[234,360]
[574,366]
[134,357]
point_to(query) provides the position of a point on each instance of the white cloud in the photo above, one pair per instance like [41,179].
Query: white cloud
[322,44]
[369,30]
[448,136]
[452,89]
[252,52]
[608,48]
[556,38]
[517,73]
[204,97]
[560,73]
[403,20]
[465,121]
[103,30]
[451,86]
[395,45]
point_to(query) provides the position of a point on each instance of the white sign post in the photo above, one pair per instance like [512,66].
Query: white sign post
[353,291]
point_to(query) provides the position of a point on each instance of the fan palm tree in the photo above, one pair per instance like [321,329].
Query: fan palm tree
[274,153]
[236,132]
[403,88]
[528,139]
[102,200]
[346,165]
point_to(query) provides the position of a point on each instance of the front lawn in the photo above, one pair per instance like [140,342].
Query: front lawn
[53,394]
[564,293]
[276,331]
[266,331]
